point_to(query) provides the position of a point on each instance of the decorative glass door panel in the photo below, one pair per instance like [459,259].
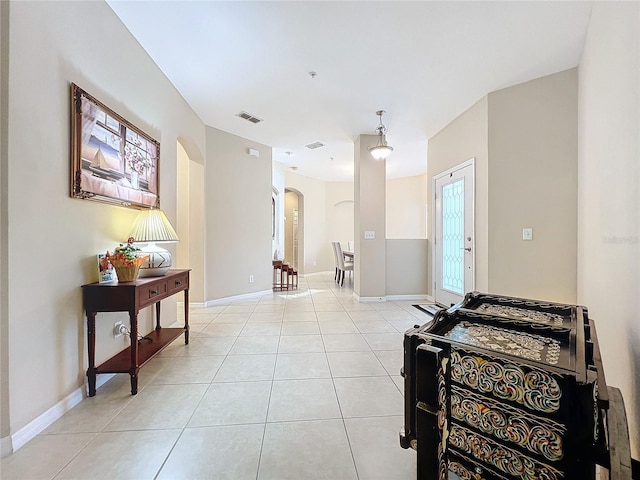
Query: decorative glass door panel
[453,237]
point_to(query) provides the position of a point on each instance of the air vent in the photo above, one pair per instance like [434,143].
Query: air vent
[249,117]
[313,146]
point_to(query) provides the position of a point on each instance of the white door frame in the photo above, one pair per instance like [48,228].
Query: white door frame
[471,261]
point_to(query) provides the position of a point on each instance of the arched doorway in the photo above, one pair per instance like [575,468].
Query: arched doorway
[294,229]
[190,217]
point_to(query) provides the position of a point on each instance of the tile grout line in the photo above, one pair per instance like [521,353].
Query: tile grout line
[335,391]
[164,462]
[266,417]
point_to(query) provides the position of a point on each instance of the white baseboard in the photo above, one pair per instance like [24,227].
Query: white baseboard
[393,298]
[409,298]
[180,305]
[40,423]
[245,296]
[369,299]
[218,301]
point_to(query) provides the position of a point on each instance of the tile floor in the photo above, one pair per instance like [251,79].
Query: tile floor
[292,385]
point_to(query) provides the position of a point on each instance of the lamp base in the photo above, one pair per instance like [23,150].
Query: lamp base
[159,261]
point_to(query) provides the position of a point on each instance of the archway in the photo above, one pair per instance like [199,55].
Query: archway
[294,229]
[190,217]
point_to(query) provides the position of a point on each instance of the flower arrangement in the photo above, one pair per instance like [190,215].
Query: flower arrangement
[126,261]
[135,157]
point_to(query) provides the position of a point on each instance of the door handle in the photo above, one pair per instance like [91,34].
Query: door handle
[467,249]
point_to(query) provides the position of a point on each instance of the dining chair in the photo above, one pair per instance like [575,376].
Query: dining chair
[342,265]
[350,245]
[335,259]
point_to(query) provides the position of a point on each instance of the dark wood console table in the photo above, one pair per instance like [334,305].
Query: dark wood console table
[132,297]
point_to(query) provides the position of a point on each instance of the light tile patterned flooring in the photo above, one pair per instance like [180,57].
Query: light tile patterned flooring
[297,385]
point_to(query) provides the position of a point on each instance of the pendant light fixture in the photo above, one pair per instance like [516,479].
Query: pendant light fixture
[381,150]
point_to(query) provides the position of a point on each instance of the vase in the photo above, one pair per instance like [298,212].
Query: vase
[127,274]
[135,180]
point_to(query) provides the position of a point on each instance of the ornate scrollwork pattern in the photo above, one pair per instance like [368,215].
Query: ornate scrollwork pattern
[463,472]
[521,313]
[596,428]
[534,389]
[442,399]
[442,464]
[519,344]
[538,435]
[442,419]
[503,458]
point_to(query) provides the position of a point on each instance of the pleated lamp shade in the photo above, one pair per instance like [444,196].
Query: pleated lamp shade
[152,226]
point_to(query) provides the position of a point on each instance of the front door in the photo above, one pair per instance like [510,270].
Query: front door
[454,229]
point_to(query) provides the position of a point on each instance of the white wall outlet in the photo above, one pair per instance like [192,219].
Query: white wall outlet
[250,278]
[527,234]
[369,235]
[315,263]
[116,330]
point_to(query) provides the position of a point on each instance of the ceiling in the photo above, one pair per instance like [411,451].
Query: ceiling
[424,63]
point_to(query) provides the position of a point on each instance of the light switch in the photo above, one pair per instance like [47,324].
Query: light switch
[369,235]
[527,234]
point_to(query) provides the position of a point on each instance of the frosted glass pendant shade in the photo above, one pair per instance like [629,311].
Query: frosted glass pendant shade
[380,152]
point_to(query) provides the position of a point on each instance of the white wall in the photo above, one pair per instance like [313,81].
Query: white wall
[182,217]
[291,209]
[533,183]
[369,269]
[278,176]
[407,207]
[464,138]
[608,198]
[523,139]
[50,45]
[316,248]
[5,446]
[339,207]
[238,190]
[190,223]
[407,264]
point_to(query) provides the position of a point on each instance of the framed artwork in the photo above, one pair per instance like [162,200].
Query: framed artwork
[106,271]
[112,160]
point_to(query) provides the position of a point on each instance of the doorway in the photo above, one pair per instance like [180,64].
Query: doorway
[294,229]
[453,200]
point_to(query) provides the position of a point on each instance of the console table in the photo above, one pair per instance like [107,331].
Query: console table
[132,297]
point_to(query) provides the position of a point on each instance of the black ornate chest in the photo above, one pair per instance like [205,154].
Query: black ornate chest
[505,388]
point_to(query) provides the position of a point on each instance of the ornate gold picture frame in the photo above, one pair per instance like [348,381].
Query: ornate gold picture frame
[112,160]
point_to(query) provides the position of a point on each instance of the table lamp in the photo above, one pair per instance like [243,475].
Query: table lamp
[151,227]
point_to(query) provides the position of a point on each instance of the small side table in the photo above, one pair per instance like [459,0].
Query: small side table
[132,297]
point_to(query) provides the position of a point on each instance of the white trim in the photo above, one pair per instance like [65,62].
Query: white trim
[5,446]
[245,296]
[180,305]
[400,298]
[471,162]
[369,299]
[194,304]
[37,425]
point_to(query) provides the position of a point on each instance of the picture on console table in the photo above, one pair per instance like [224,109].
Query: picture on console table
[112,160]
[106,271]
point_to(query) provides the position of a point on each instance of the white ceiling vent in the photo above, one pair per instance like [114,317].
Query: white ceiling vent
[249,117]
[313,146]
